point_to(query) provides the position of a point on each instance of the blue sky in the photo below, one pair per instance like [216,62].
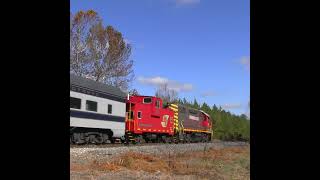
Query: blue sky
[199,47]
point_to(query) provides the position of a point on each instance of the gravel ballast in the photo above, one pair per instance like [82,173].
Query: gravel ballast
[108,152]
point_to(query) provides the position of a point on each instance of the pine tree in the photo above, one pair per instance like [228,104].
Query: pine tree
[205,108]
[214,108]
[185,102]
[179,101]
[195,104]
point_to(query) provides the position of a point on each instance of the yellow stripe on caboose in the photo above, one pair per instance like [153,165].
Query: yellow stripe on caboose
[174,105]
[174,108]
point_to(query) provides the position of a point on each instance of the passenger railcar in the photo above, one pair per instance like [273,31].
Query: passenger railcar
[97,112]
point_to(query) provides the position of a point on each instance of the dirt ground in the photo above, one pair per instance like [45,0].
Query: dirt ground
[226,163]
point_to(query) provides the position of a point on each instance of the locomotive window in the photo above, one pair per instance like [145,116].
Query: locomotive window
[158,104]
[75,103]
[193,112]
[147,100]
[139,114]
[91,106]
[109,109]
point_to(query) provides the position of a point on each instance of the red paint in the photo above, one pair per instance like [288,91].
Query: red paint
[206,121]
[152,118]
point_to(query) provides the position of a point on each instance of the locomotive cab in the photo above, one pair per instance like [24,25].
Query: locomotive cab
[206,123]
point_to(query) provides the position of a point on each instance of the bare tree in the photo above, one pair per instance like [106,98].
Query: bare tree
[80,25]
[166,94]
[99,53]
[134,92]
[98,45]
[120,67]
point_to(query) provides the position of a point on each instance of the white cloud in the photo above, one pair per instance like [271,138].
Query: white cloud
[187,2]
[245,61]
[231,106]
[158,81]
[153,81]
[208,93]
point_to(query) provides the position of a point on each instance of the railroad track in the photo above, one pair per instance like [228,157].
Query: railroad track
[109,145]
[135,145]
[119,145]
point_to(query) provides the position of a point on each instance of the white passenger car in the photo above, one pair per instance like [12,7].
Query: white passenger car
[97,111]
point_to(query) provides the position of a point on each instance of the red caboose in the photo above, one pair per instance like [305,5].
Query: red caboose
[147,119]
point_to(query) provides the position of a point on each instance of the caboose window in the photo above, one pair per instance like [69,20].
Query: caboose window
[91,106]
[139,114]
[147,100]
[158,104]
[109,109]
[75,103]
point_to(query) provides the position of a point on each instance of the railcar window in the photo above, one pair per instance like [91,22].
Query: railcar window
[91,106]
[139,114]
[75,103]
[147,100]
[109,109]
[158,104]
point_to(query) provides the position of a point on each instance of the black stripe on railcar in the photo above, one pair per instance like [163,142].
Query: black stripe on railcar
[95,116]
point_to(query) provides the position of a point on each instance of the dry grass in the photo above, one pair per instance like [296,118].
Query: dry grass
[227,163]
[138,161]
